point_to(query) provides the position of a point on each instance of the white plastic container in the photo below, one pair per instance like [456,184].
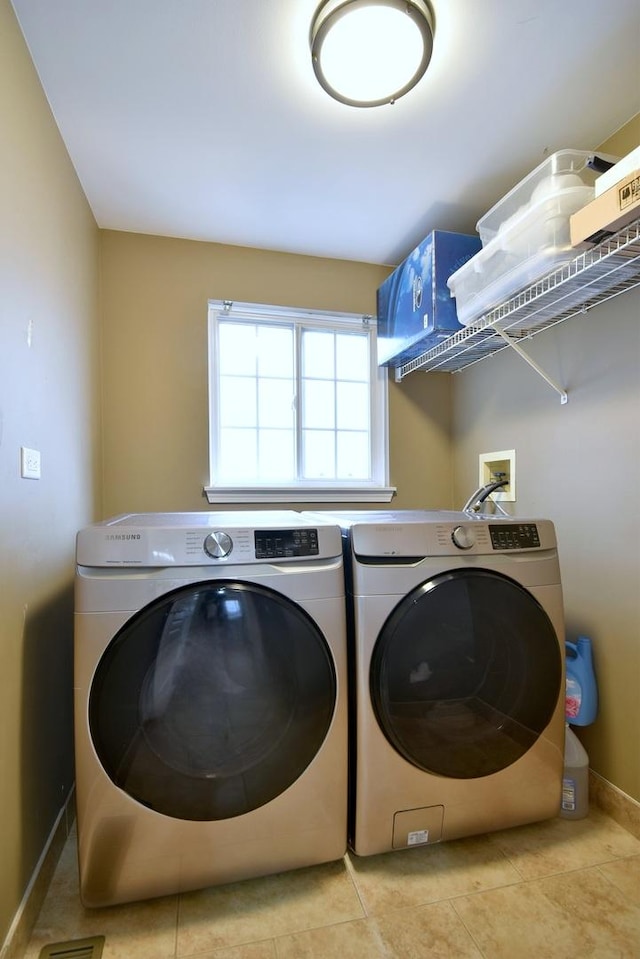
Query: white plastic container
[500,269]
[525,235]
[563,171]
[575,778]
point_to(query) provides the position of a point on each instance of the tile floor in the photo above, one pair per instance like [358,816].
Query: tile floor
[563,888]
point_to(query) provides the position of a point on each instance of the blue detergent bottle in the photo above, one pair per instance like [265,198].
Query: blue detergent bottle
[581,699]
[581,706]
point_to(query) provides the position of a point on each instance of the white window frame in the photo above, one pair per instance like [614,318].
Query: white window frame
[374,490]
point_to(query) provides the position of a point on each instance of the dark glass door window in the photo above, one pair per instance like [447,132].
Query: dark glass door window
[465,674]
[212,701]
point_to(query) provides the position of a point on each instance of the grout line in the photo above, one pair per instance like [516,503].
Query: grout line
[468,931]
[614,885]
[354,879]
[206,953]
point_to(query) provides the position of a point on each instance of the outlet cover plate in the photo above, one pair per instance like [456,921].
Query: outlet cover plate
[29,463]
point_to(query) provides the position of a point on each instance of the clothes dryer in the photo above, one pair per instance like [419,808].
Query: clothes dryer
[210,700]
[457,640]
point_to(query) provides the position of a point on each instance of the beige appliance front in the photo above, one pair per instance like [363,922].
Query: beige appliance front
[458,640]
[210,706]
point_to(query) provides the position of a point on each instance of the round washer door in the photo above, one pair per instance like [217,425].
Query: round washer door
[212,700]
[465,674]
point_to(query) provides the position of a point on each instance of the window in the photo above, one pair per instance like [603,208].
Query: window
[297,406]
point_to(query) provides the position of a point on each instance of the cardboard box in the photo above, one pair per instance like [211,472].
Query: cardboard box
[608,213]
[619,171]
[415,309]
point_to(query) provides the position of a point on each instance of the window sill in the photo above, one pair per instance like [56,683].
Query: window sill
[297,494]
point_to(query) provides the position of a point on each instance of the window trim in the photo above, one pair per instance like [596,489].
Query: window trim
[377,490]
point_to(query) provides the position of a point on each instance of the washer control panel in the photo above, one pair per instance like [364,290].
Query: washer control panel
[284,543]
[194,539]
[514,536]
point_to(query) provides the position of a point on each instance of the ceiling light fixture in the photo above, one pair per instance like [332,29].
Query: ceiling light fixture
[369,52]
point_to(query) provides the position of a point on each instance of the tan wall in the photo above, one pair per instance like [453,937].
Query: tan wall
[154,294]
[48,401]
[579,465]
[624,140]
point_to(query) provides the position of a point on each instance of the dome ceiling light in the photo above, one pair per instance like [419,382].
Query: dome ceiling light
[369,52]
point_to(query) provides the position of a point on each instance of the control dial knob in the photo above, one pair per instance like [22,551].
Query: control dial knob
[462,537]
[218,544]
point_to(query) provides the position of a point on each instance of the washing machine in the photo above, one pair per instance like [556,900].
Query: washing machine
[456,647]
[210,700]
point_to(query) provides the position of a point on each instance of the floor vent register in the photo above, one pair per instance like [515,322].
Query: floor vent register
[74,949]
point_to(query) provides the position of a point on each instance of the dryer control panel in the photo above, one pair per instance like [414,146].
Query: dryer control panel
[448,534]
[514,536]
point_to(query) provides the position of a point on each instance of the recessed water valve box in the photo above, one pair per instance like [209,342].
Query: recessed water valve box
[499,465]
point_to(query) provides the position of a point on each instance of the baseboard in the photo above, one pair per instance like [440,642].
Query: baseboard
[622,808]
[24,920]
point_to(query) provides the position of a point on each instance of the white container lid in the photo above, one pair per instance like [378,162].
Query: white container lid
[563,170]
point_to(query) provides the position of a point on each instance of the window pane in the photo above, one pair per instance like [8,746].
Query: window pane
[318,405]
[294,397]
[237,401]
[353,455]
[318,354]
[352,356]
[277,455]
[275,351]
[238,456]
[275,403]
[318,454]
[353,406]
[237,343]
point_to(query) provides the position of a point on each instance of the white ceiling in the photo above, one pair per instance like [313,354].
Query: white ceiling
[203,118]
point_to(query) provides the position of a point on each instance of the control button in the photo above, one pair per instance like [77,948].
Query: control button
[462,537]
[218,544]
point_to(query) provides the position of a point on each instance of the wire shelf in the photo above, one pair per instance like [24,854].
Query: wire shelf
[593,276]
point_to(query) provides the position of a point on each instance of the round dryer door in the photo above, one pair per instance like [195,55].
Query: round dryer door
[466,674]
[212,701]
